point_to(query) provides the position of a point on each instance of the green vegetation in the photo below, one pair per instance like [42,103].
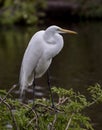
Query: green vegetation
[25,11]
[68,115]
[88,9]
[29,12]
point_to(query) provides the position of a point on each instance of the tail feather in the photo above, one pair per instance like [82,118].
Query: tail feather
[21,91]
[25,81]
[23,85]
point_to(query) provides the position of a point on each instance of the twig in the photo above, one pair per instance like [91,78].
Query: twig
[51,124]
[67,127]
[13,118]
[46,108]
[54,121]
[13,87]
[29,123]
[62,100]
[35,118]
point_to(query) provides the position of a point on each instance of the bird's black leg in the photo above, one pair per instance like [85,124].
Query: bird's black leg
[49,85]
[34,84]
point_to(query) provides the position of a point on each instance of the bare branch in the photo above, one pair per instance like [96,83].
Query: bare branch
[54,121]
[34,112]
[62,100]
[13,118]
[13,87]
[67,127]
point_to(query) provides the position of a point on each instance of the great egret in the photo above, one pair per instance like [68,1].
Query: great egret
[43,46]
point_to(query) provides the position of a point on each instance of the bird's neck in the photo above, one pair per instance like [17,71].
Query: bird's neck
[54,44]
[49,36]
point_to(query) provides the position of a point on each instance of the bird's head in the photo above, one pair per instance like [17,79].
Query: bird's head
[55,29]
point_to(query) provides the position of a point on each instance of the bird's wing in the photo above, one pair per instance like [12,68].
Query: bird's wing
[30,60]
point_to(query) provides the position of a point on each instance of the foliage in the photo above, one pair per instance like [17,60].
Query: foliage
[90,9]
[68,114]
[25,11]
[87,9]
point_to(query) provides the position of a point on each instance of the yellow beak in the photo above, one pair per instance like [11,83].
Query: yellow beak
[68,31]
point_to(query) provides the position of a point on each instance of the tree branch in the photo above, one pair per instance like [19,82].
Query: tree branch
[14,124]
[13,87]
[69,122]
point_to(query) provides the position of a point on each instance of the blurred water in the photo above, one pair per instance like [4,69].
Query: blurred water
[78,65]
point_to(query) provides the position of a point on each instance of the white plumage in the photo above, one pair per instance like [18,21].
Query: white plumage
[43,46]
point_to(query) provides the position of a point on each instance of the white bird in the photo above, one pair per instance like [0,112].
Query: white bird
[43,46]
